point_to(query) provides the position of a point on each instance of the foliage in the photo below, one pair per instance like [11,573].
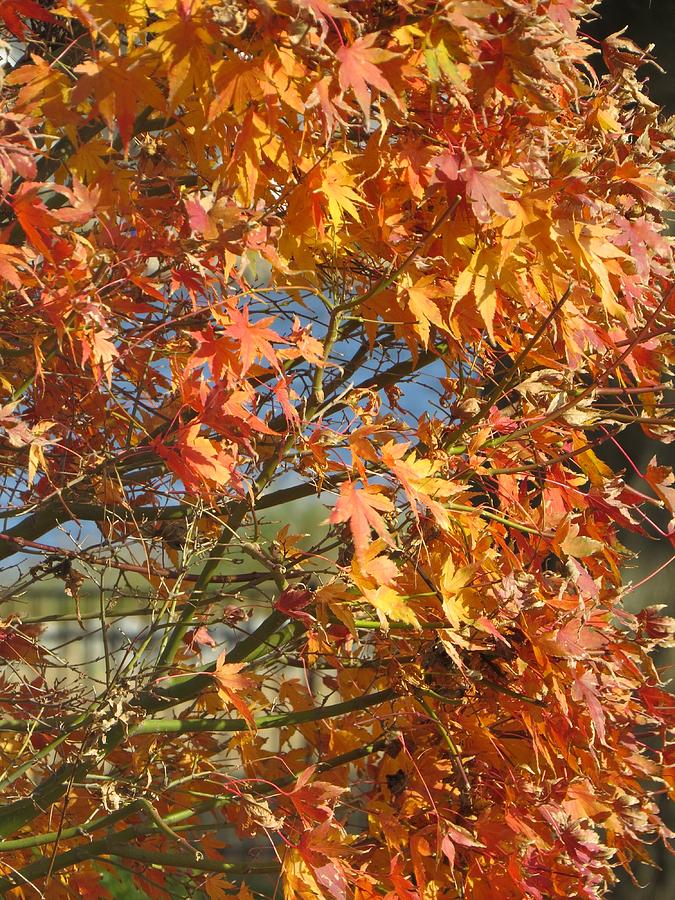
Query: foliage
[406,257]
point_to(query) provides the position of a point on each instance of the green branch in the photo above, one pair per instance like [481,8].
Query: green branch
[279,720]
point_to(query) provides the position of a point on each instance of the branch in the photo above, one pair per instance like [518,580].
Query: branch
[280,720]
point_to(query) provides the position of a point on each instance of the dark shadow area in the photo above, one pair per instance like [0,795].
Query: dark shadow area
[648,22]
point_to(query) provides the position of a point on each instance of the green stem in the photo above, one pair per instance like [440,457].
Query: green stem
[268,634]
[186,861]
[15,815]
[38,840]
[118,845]
[279,720]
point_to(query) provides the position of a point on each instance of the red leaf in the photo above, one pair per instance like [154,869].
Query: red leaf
[11,10]
[292,601]
[199,637]
[197,461]
[254,338]
[312,800]
[585,688]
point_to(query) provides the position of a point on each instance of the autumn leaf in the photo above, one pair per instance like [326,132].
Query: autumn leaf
[14,14]
[196,460]
[453,581]
[324,10]
[456,836]
[100,352]
[231,685]
[421,300]
[413,255]
[313,799]
[485,188]
[585,688]
[253,339]
[391,606]
[339,191]
[361,507]
[293,602]
[640,236]
[35,217]
[359,70]
[579,545]
[420,480]
[10,260]
[218,888]
[198,638]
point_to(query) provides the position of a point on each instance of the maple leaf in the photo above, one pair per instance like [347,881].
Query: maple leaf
[453,582]
[421,296]
[337,187]
[373,569]
[198,638]
[419,480]
[183,42]
[119,84]
[359,71]
[292,602]
[298,879]
[308,347]
[639,235]
[321,848]
[662,481]
[485,188]
[313,799]
[220,354]
[578,545]
[331,107]
[403,887]
[98,348]
[35,218]
[658,628]
[585,688]
[10,260]
[254,338]
[324,10]
[231,685]
[18,433]
[218,888]
[196,460]
[83,203]
[390,605]
[14,12]
[361,507]
[457,836]
[187,190]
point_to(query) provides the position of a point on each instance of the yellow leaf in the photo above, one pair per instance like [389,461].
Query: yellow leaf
[338,188]
[464,282]
[422,305]
[299,882]
[578,545]
[390,605]
[452,583]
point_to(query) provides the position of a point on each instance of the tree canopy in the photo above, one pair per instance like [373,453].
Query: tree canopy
[405,259]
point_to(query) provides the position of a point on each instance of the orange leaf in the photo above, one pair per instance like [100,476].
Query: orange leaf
[362,508]
[358,70]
